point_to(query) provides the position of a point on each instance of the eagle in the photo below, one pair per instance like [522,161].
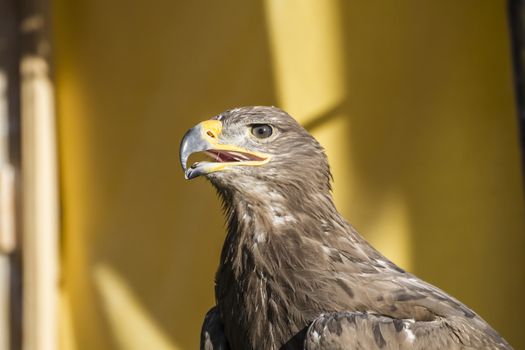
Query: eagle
[293,273]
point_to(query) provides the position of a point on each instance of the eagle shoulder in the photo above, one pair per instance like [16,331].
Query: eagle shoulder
[365,330]
[212,333]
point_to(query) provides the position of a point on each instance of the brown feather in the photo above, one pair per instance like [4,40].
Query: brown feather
[290,259]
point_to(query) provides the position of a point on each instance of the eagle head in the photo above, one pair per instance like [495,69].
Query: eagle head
[250,147]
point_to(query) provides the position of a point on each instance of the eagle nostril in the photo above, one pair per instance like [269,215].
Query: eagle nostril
[210,134]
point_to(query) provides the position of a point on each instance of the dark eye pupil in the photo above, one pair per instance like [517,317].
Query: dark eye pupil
[262,131]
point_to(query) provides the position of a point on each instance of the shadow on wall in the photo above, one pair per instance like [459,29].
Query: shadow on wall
[423,142]
[432,125]
[141,245]
[423,146]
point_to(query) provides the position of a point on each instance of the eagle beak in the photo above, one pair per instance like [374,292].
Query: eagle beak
[198,139]
[204,137]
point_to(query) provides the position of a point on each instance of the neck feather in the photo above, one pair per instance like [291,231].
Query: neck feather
[263,220]
[274,242]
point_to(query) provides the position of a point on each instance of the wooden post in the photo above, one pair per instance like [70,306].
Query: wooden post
[517,31]
[39,179]
[28,180]
[10,253]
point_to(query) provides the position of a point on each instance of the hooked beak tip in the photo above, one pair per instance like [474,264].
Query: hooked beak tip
[192,142]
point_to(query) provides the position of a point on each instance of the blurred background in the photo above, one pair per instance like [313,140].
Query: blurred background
[104,245]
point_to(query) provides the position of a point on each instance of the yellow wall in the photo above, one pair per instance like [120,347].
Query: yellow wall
[413,101]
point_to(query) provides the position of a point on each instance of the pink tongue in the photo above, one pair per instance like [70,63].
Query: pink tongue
[224,157]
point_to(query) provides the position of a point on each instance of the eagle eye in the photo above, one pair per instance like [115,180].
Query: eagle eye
[262,131]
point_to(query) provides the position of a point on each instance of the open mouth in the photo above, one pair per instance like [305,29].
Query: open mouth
[202,141]
[225,156]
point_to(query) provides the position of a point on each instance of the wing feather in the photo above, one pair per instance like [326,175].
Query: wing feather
[212,333]
[363,330]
